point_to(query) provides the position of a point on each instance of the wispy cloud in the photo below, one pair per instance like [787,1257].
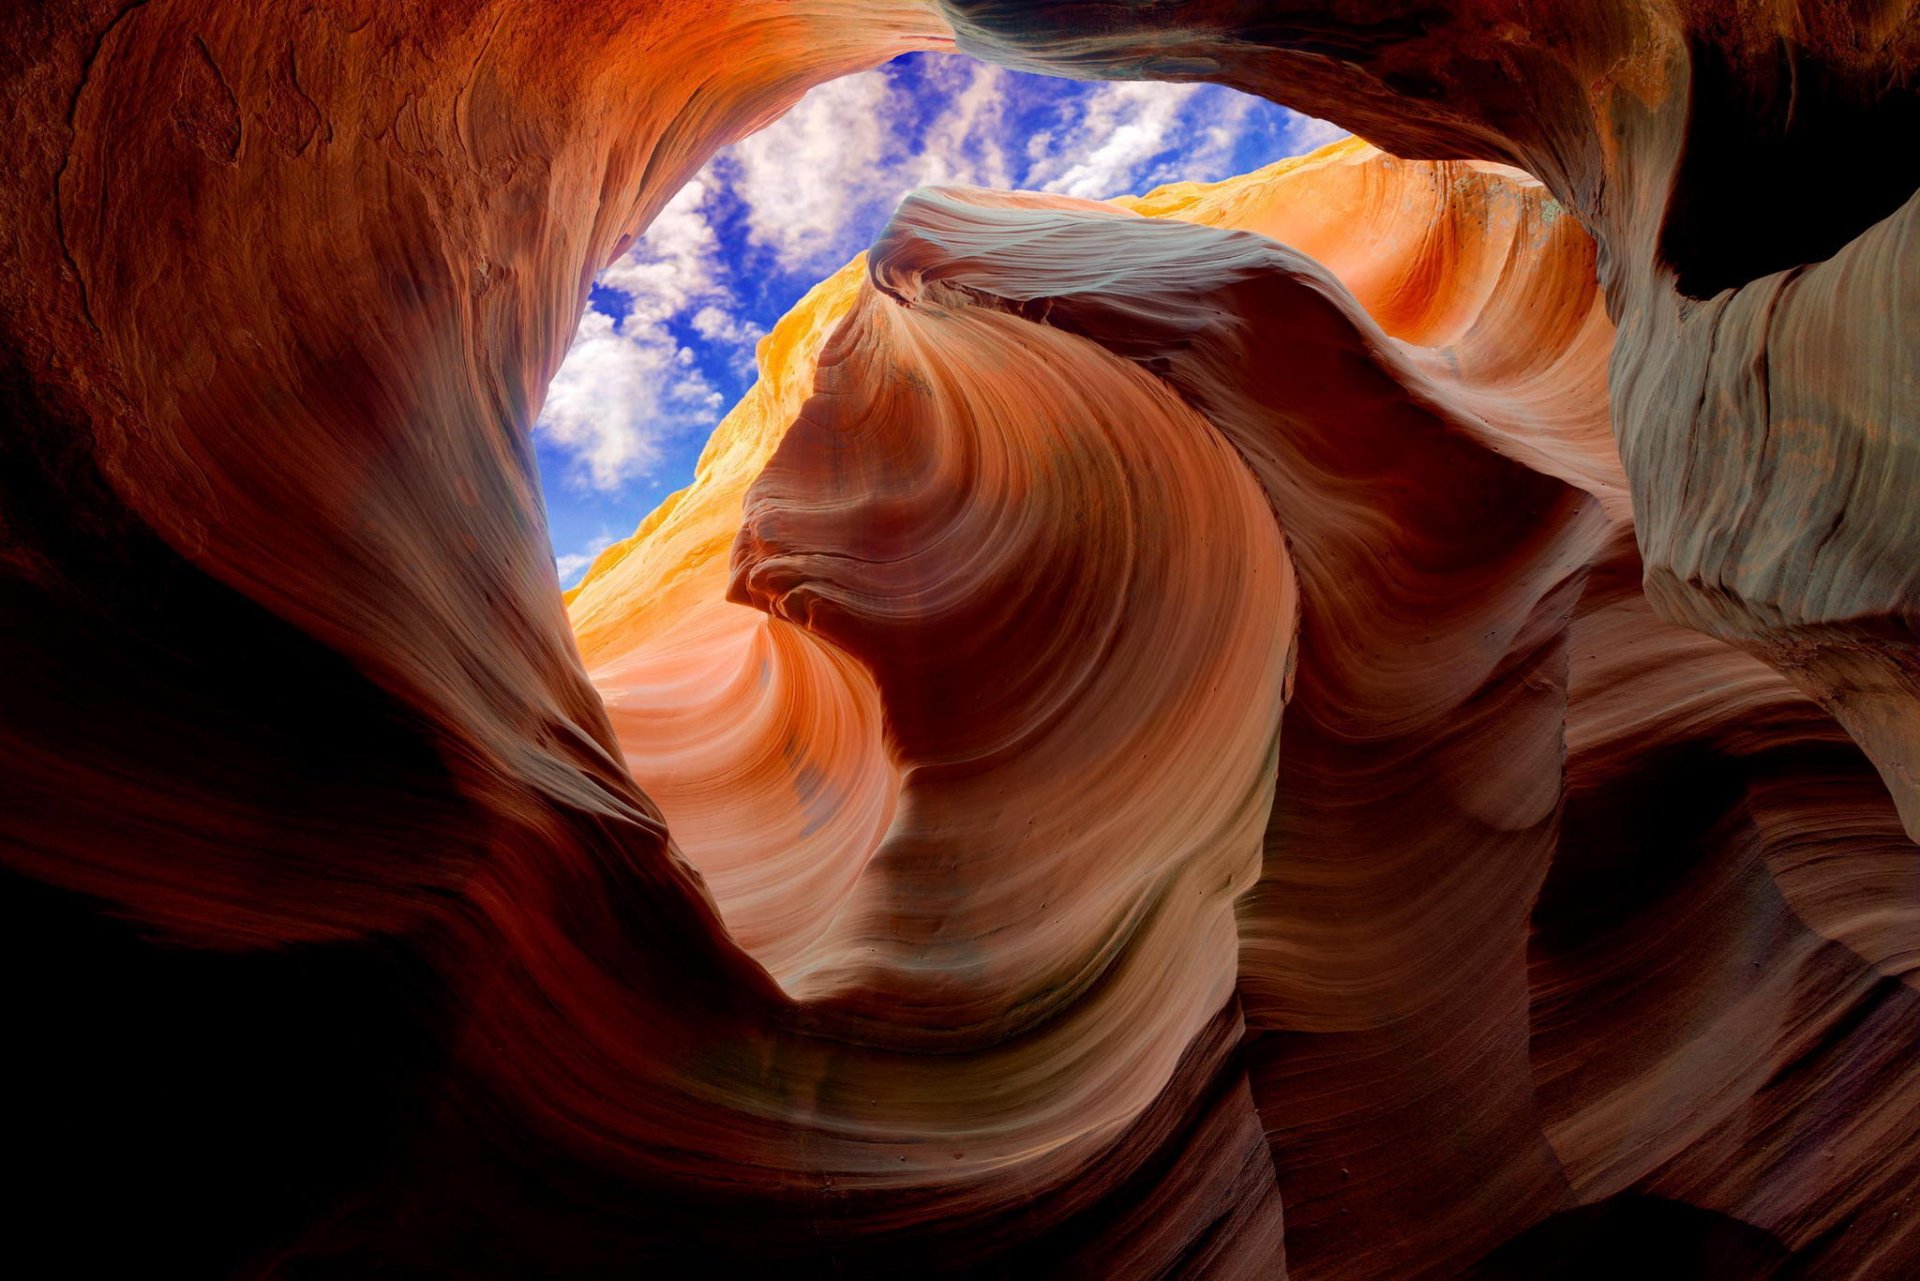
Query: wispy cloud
[1307,133]
[628,384]
[815,184]
[803,177]
[1109,144]
[971,140]
[677,263]
[624,386]
[770,215]
[570,566]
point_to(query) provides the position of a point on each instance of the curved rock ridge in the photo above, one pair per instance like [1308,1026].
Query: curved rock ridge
[1427,1044]
[1457,251]
[762,745]
[1164,762]
[1721,958]
[1402,995]
[289,284]
[1763,391]
[1383,960]
[1026,999]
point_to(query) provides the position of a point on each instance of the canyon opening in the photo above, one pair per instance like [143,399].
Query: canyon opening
[1275,640]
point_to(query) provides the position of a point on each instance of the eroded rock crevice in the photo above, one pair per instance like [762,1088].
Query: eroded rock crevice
[1362,720]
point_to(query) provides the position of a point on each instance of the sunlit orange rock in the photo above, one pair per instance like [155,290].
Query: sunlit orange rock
[1144,752]
[1763,394]
[762,746]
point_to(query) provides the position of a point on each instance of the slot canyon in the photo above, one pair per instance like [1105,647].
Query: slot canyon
[1358,720]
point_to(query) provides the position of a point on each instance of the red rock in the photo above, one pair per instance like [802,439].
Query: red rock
[1170,765]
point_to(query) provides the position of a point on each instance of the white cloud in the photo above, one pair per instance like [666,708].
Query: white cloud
[1214,140]
[812,187]
[622,390]
[628,385]
[677,261]
[1309,133]
[967,142]
[809,181]
[715,324]
[805,175]
[1120,130]
[573,564]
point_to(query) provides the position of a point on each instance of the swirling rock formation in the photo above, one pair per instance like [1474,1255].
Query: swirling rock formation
[1764,394]
[1144,752]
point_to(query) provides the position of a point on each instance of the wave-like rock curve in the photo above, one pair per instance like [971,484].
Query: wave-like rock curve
[1143,753]
[1762,390]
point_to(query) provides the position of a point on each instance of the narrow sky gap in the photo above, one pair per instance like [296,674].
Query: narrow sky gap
[666,345]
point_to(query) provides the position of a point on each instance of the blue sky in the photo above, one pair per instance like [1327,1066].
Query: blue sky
[666,345]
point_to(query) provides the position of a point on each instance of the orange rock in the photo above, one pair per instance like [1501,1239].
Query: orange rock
[1762,394]
[1169,767]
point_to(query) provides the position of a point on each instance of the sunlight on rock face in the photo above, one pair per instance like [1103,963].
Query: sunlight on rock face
[1353,720]
[668,341]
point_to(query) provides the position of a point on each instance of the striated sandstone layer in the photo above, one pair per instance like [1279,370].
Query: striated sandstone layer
[1749,173]
[1143,753]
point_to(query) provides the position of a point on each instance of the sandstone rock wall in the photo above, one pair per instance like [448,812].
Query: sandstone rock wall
[1352,722]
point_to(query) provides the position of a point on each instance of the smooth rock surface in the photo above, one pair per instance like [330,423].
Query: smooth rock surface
[1186,737]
